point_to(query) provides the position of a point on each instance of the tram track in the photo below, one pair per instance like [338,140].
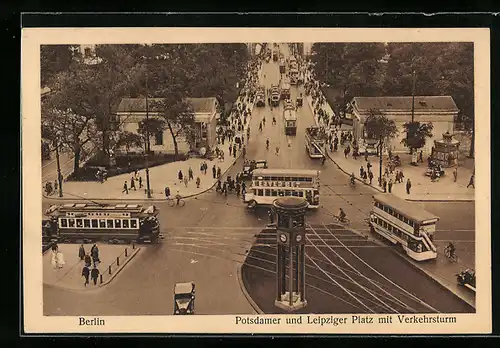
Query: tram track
[378,298]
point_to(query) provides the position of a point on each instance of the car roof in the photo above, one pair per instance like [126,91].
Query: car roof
[183,288]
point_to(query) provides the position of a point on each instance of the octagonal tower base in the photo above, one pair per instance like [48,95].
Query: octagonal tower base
[285,302]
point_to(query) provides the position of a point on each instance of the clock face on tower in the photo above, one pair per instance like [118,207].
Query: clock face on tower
[298,238]
[283,238]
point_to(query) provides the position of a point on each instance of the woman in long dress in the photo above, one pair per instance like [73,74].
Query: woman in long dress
[53,259]
[60,260]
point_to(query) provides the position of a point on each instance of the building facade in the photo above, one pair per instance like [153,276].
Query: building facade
[132,111]
[441,111]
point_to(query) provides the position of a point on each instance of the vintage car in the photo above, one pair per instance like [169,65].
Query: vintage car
[184,298]
[467,278]
[250,166]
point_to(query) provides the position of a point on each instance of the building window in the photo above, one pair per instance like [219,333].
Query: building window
[87,52]
[159,138]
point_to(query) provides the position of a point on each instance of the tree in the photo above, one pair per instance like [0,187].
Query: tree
[416,134]
[55,59]
[440,69]
[354,69]
[378,126]
[178,116]
[127,140]
[68,111]
[112,80]
[149,127]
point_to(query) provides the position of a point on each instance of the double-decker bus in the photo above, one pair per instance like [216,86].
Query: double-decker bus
[270,184]
[77,222]
[290,121]
[401,222]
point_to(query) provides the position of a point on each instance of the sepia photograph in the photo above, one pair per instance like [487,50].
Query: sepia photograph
[256,180]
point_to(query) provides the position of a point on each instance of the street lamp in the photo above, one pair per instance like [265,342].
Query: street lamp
[148,187]
[59,175]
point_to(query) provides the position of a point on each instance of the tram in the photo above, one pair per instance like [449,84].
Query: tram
[82,222]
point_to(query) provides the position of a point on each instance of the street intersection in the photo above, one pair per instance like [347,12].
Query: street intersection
[208,239]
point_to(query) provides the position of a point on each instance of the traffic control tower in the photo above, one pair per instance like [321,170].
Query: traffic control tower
[290,255]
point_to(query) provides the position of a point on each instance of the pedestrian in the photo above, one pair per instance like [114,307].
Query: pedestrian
[94,274]
[408,186]
[140,182]
[190,173]
[180,176]
[370,176]
[132,183]
[85,274]
[125,187]
[186,181]
[81,252]
[366,155]
[87,259]
[455,174]
[214,172]
[346,152]
[60,259]
[384,184]
[94,252]
[53,259]
[361,171]
[205,165]
[198,182]
[243,188]
[471,181]
[56,185]
[167,192]
[390,185]
[277,150]
[421,156]
[218,172]
[274,121]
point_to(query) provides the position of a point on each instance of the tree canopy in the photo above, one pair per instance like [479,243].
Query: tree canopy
[378,126]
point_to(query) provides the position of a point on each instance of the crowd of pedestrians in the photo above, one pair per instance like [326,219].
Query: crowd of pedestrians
[91,263]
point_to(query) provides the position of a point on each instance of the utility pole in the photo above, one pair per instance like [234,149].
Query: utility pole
[380,163]
[413,97]
[59,175]
[413,160]
[147,135]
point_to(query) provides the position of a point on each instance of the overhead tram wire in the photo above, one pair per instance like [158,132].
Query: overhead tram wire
[383,276]
[336,266]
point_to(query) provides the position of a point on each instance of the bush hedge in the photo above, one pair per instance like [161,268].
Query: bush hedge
[124,164]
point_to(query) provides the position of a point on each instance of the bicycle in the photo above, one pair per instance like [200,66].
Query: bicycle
[452,256]
[173,202]
[337,219]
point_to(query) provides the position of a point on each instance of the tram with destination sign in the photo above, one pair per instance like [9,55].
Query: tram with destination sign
[270,184]
[82,222]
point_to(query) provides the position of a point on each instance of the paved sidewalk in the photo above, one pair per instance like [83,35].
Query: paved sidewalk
[160,177]
[444,271]
[70,275]
[422,189]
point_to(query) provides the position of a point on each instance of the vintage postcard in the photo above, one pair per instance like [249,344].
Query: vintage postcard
[256,180]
